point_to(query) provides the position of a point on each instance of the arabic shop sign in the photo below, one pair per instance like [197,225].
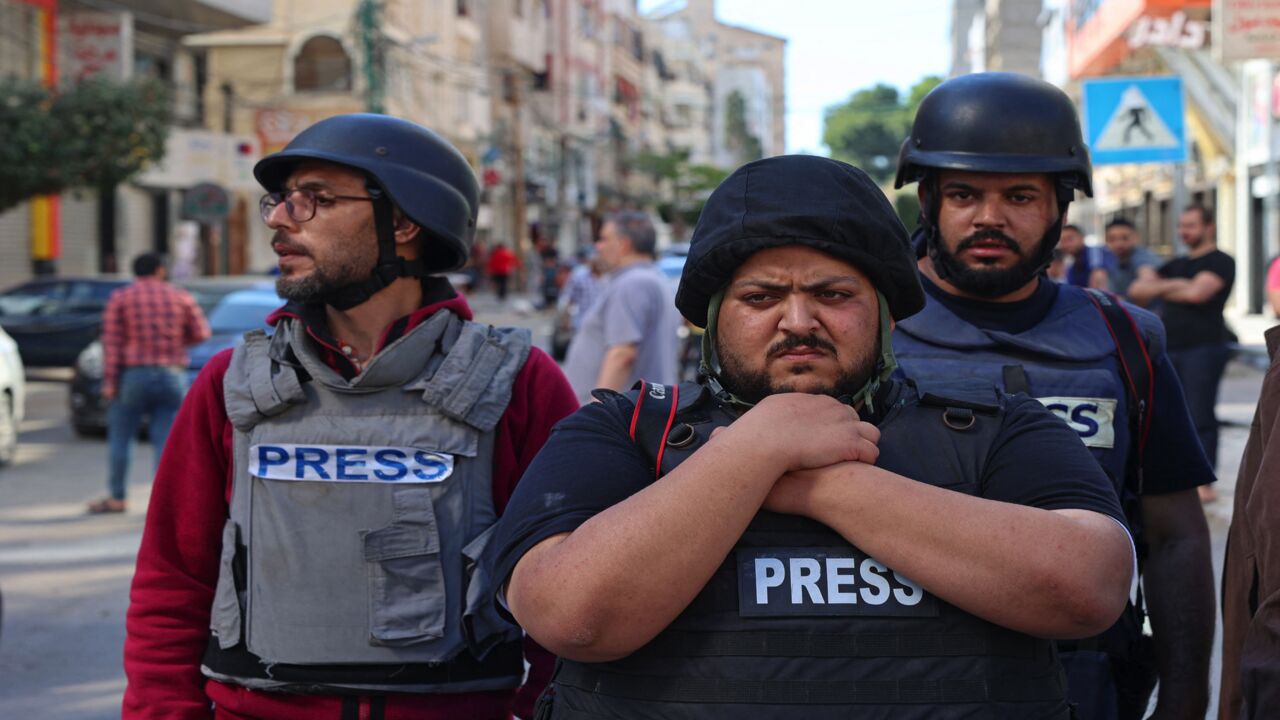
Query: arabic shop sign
[95,44]
[1174,31]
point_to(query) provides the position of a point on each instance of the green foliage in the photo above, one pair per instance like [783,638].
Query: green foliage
[738,138]
[661,166]
[690,183]
[867,130]
[27,165]
[908,207]
[95,134]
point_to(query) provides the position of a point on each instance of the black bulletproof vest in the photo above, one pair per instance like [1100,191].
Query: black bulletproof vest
[798,623]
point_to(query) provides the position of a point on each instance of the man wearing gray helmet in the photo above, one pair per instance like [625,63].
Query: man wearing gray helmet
[998,158]
[311,540]
[798,535]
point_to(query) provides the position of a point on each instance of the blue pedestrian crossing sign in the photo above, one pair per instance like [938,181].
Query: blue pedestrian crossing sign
[1135,120]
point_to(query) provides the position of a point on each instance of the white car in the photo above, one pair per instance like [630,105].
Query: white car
[13,397]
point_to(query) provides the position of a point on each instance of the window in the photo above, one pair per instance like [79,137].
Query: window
[322,65]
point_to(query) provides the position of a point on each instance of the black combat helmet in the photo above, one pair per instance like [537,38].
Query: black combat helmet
[799,200]
[995,123]
[408,165]
[1001,123]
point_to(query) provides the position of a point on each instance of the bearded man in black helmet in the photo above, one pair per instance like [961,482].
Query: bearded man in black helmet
[998,158]
[310,545]
[798,535]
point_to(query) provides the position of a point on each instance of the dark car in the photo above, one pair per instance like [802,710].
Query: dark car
[233,313]
[53,319]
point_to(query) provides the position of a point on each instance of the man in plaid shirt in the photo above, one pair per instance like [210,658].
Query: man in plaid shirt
[146,330]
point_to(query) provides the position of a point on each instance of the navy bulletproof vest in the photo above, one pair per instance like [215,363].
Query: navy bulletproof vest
[799,623]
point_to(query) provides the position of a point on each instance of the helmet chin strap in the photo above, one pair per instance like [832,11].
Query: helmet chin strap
[929,223]
[709,369]
[390,265]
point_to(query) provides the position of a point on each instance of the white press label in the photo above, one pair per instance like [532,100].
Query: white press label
[349,463]
[1093,419]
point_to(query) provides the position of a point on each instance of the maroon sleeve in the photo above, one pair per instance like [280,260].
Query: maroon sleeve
[540,398]
[167,625]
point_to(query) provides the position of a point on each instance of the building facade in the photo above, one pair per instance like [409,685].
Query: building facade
[1134,38]
[746,73]
[86,231]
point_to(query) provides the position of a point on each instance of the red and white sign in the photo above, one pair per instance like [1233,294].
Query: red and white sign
[275,127]
[1246,29]
[95,44]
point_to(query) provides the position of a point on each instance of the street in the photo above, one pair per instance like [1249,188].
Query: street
[65,576]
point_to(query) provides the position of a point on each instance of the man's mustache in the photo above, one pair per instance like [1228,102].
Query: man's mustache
[792,342]
[281,244]
[987,236]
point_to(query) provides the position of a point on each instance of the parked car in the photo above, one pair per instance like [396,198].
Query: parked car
[13,397]
[208,291]
[53,319]
[233,314]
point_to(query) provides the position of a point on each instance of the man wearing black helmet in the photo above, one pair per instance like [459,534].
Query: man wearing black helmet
[771,542]
[311,539]
[998,158]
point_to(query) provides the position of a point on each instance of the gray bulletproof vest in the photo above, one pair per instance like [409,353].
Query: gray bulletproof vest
[358,510]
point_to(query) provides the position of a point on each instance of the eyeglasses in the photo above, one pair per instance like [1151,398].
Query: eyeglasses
[300,203]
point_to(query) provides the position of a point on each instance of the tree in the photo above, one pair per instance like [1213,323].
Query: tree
[867,130]
[95,134]
[690,183]
[738,138]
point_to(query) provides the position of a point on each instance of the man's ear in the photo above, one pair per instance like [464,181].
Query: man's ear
[406,231]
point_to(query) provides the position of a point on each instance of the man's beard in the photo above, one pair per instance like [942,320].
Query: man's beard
[985,280]
[346,266]
[754,385]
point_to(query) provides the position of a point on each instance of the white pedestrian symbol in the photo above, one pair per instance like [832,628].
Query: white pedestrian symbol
[1135,124]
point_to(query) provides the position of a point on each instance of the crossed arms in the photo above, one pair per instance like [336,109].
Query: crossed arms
[608,587]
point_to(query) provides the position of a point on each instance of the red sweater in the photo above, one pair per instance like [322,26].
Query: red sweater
[177,569]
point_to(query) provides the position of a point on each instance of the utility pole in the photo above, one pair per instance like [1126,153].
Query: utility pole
[369,16]
[518,210]
[228,107]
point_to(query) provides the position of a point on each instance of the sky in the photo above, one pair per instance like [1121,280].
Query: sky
[837,47]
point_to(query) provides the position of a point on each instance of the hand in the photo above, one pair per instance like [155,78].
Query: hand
[108,393]
[809,431]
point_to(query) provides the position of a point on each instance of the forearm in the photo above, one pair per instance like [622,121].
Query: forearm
[1051,574]
[1180,290]
[1179,593]
[1146,289]
[615,370]
[611,585]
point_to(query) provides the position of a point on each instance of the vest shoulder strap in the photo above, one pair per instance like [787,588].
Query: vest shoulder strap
[259,386]
[1135,366]
[978,397]
[473,383]
[655,408]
